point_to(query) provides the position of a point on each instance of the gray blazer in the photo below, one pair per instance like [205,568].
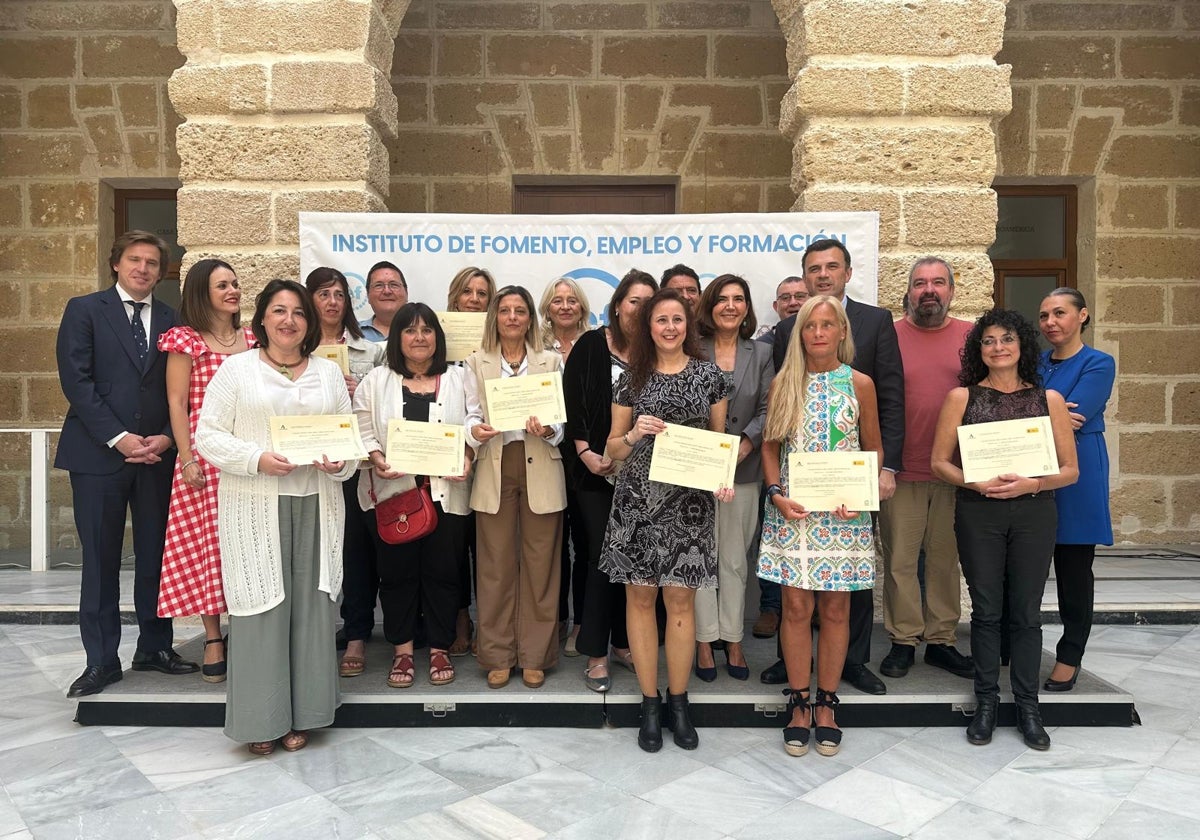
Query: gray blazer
[753,371]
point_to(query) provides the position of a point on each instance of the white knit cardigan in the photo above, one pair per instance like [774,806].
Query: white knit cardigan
[232,433]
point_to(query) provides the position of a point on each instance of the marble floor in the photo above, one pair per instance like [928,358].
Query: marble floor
[60,780]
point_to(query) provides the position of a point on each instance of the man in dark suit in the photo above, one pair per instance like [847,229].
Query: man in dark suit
[116,444]
[877,354]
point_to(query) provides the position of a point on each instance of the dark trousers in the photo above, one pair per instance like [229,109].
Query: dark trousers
[574,574]
[1076,596]
[1006,541]
[360,576]
[604,601]
[421,575]
[100,504]
[466,562]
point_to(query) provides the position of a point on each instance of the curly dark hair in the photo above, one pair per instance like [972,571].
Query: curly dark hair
[973,369]
[644,356]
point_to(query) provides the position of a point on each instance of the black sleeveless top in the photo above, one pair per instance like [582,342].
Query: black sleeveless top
[986,405]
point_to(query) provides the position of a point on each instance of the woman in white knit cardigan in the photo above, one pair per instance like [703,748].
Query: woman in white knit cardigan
[279,525]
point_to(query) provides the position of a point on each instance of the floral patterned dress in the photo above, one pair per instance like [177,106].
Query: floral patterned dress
[191,567]
[820,552]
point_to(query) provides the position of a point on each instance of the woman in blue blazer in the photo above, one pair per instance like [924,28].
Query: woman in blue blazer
[1084,376]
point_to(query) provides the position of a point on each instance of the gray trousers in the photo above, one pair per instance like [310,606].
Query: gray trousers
[283,663]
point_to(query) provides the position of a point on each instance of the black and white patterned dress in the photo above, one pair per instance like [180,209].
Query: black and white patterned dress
[662,534]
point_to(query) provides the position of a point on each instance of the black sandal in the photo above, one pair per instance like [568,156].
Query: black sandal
[829,738]
[214,673]
[795,738]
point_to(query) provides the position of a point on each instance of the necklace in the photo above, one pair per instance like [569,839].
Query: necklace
[513,366]
[233,336]
[285,369]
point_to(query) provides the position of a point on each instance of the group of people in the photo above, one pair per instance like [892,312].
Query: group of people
[169,415]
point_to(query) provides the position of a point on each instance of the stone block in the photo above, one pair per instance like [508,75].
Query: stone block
[641,107]
[12,206]
[669,161]
[836,90]
[1189,105]
[488,16]
[749,57]
[1050,17]
[381,44]
[471,197]
[737,104]
[93,96]
[1185,506]
[41,57]
[97,17]
[539,56]
[49,106]
[441,153]
[1050,154]
[597,16]
[1142,351]
[955,90]
[29,349]
[720,155]
[949,218]
[139,105]
[223,89]
[1185,403]
[461,104]
[195,25]
[822,198]
[408,197]
[551,104]
[412,102]
[1160,453]
[413,54]
[105,134]
[1140,207]
[286,207]
[85,257]
[1187,207]
[518,141]
[1140,104]
[1133,303]
[1038,56]
[323,87]
[12,306]
[129,57]
[1137,504]
[774,93]
[898,154]
[894,27]
[1185,305]
[558,151]
[459,56]
[1088,142]
[780,198]
[255,268]
[62,204]
[1151,257]
[144,151]
[290,28]
[721,198]
[654,56]
[678,131]
[706,16]
[10,107]
[1141,402]
[46,405]
[1015,133]
[635,152]
[598,120]
[1160,58]
[1055,105]
[243,218]
[24,155]
[48,298]
[414,15]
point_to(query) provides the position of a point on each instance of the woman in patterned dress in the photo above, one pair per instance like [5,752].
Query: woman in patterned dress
[662,536]
[209,332]
[817,404]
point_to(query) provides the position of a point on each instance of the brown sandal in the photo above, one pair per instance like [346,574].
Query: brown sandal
[403,672]
[295,740]
[351,666]
[261,747]
[439,662]
[462,644]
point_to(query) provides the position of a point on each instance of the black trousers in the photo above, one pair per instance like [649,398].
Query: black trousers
[421,576]
[466,562]
[100,504]
[1076,597]
[1006,541]
[574,574]
[360,578]
[604,601]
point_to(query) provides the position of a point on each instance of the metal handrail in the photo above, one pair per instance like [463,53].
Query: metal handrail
[39,495]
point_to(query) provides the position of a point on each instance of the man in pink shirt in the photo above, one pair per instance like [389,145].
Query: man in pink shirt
[921,513]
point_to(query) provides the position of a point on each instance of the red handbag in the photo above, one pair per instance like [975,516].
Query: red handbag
[406,516]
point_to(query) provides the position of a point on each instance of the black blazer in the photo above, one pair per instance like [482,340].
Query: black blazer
[877,354]
[108,389]
[587,393]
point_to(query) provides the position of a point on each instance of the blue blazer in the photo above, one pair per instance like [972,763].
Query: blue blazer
[108,389]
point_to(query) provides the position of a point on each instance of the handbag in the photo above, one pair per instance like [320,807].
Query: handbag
[406,516]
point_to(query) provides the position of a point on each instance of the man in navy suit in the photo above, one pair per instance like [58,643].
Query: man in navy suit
[116,444]
[877,354]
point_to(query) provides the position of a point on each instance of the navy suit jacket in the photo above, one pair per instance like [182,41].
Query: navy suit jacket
[109,390]
[877,354]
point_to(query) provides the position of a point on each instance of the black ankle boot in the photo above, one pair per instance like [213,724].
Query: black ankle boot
[1029,721]
[979,730]
[680,722]
[650,735]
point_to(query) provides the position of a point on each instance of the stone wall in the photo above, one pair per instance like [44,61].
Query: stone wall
[1110,91]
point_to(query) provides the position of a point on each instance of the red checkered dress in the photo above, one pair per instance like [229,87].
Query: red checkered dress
[191,567]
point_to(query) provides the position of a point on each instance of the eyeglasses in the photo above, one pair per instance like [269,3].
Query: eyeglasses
[390,287]
[1006,339]
[798,296]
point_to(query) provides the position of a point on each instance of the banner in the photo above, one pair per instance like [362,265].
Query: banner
[594,250]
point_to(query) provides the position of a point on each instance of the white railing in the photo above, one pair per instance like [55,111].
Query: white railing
[39,495]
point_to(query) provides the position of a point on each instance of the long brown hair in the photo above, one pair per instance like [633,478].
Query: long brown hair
[622,337]
[195,303]
[644,356]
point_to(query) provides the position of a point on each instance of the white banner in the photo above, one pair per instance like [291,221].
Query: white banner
[595,250]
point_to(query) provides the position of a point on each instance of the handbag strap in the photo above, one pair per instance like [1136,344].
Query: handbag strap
[371,490]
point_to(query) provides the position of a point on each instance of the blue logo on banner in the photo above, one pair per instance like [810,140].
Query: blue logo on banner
[589,279]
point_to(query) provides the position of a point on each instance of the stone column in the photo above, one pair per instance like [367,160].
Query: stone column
[287,107]
[893,107]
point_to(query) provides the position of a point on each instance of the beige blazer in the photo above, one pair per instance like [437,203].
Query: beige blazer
[543,462]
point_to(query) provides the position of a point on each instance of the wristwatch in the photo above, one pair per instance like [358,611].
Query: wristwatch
[773,491]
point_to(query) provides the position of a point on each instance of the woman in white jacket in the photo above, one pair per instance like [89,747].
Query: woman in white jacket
[416,385]
[280,526]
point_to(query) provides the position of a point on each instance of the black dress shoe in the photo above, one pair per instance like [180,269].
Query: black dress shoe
[679,721]
[979,730]
[949,659]
[1029,721]
[94,679]
[163,661]
[1061,685]
[650,732]
[860,677]
[898,661]
[775,675]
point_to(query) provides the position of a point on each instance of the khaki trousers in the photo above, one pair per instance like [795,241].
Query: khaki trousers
[721,612]
[920,515]
[517,575]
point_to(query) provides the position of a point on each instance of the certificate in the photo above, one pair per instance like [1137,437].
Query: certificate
[511,400]
[420,448]
[1024,447]
[303,439]
[464,333]
[694,458]
[335,353]
[828,480]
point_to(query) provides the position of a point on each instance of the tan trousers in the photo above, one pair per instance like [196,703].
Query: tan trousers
[920,515]
[517,575]
[721,612]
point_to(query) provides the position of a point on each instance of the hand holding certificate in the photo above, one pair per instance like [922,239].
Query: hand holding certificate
[1007,447]
[434,449]
[464,333]
[303,439]
[830,480]
[695,458]
[512,400]
[335,353]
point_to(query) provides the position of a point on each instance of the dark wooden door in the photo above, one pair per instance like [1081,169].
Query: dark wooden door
[554,199]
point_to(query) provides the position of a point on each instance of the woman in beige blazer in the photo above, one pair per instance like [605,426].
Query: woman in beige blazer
[518,496]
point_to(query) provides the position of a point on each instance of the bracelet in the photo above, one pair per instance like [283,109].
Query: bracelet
[625,439]
[1039,486]
[191,463]
[581,452]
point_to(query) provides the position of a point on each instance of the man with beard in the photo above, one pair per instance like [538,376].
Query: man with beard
[920,514]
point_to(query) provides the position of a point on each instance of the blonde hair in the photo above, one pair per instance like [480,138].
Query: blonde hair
[460,282]
[585,310]
[785,410]
[491,328]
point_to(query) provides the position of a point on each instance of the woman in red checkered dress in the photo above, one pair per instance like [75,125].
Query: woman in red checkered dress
[210,331]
